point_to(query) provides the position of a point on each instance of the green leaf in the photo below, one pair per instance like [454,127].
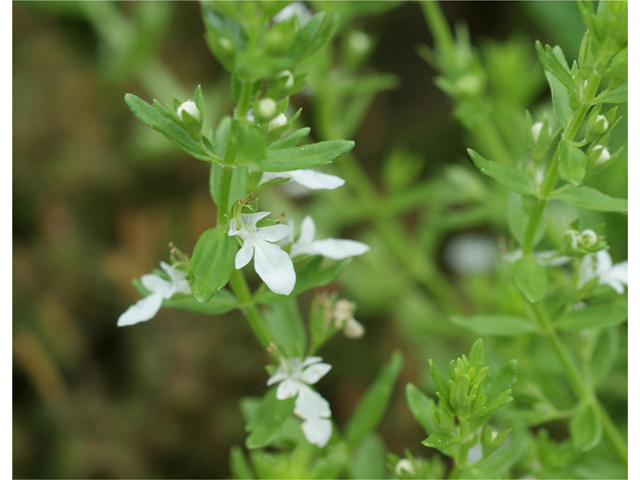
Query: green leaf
[369,458]
[306,156]
[211,264]
[553,65]
[505,175]
[266,422]
[604,355]
[248,141]
[476,355]
[292,140]
[600,315]
[592,199]
[285,323]
[162,120]
[517,218]
[442,386]
[240,467]
[619,95]
[421,407]
[531,279]
[373,404]
[497,464]
[440,440]
[224,301]
[502,380]
[307,277]
[586,427]
[573,163]
[560,99]
[497,325]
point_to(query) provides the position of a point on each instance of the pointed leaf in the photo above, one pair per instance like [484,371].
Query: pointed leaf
[306,156]
[592,199]
[285,323]
[211,264]
[573,163]
[601,315]
[497,325]
[586,427]
[373,404]
[265,424]
[505,175]
[421,407]
[531,279]
[619,95]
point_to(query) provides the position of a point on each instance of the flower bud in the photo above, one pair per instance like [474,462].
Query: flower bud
[191,108]
[342,312]
[287,77]
[597,129]
[535,131]
[353,329]
[277,122]
[190,116]
[604,156]
[406,466]
[267,108]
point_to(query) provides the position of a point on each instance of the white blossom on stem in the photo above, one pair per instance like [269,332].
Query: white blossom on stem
[272,264]
[307,178]
[336,249]
[295,376]
[147,307]
[601,267]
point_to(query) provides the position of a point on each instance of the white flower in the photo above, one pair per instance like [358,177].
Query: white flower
[470,253]
[296,8]
[307,178]
[279,121]
[295,377]
[147,307]
[272,264]
[602,267]
[336,249]
[191,108]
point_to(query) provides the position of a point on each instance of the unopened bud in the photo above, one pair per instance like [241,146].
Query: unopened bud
[405,465]
[191,108]
[589,238]
[359,42]
[604,156]
[535,131]
[353,329]
[288,78]
[267,108]
[277,122]
[342,312]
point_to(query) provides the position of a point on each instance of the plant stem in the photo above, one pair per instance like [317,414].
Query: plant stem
[577,382]
[240,288]
[244,100]
[225,188]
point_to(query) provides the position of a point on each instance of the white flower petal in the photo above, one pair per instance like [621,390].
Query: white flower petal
[309,361]
[307,231]
[268,176]
[315,372]
[316,180]
[310,404]
[613,283]
[253,218]
[603,262]
[279,376]
[275,268]
[145,309]
[180,284]
[273,233]
[620,272]
[244,255]
[353,329]
[317,431]
[337,249]
[288,389]
[156,284]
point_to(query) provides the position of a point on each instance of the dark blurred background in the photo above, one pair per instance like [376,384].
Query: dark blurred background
[98,197]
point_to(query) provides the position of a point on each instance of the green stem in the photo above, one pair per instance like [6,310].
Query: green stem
[241,290]
[244,100]
[577,382]
[225,189]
